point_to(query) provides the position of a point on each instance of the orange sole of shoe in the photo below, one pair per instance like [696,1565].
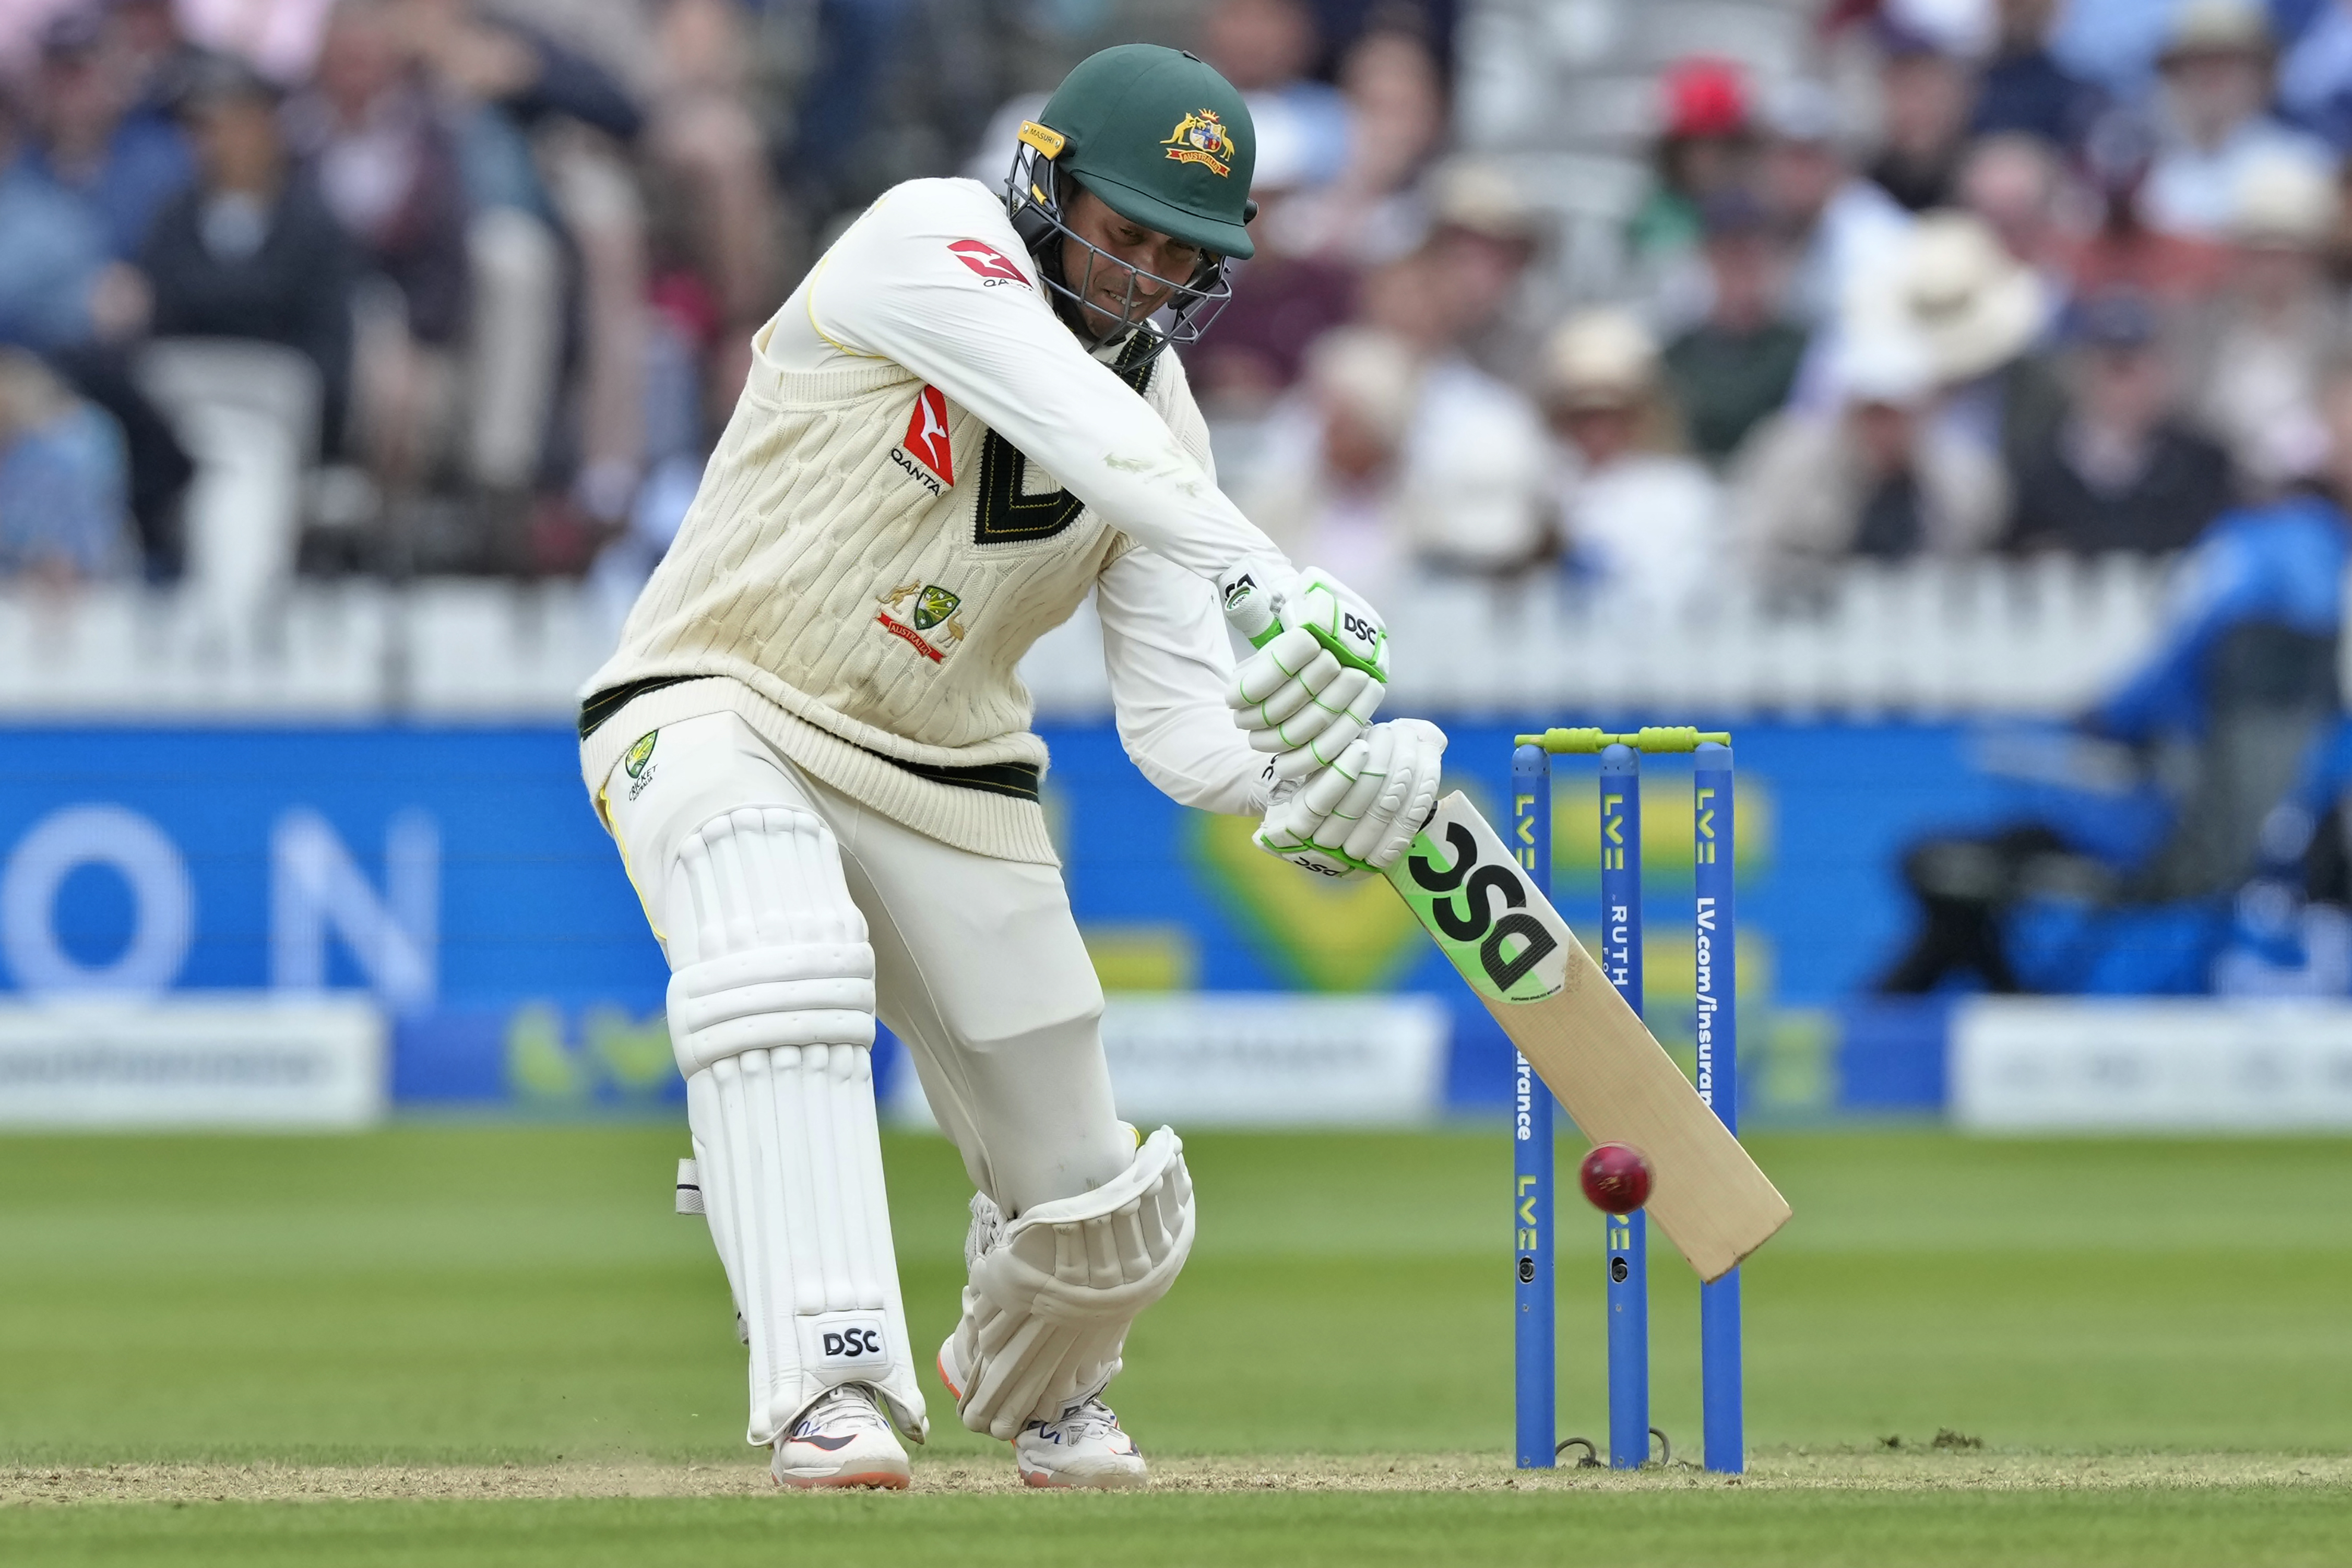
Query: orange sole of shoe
[875,1480]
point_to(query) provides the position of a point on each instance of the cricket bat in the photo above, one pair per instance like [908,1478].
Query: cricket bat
[1594,1050]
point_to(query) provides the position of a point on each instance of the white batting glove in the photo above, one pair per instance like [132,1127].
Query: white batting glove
[1320,669]
[1360,812]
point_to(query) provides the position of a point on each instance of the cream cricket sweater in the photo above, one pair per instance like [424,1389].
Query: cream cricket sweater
[926,472]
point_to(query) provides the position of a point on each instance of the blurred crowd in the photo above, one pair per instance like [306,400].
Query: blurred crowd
[419,286]
[2003,277]
[434,286]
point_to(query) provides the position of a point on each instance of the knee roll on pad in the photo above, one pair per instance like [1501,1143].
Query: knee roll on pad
[771,951]
[1053,1293]
[814,993]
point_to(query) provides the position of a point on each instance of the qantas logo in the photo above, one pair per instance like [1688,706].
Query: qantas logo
[993,265]
[926,440]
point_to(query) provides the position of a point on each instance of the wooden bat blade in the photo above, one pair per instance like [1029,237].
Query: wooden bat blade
[1615,1079]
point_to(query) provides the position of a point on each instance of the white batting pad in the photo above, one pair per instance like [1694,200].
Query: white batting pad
[792,1176]
[770,1015]
[1053,1293]
[757,877]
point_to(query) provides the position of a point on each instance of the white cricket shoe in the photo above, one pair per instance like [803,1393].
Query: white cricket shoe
[842,1440]
[1084,1448]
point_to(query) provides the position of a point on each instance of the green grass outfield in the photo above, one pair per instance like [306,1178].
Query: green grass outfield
[406,1347]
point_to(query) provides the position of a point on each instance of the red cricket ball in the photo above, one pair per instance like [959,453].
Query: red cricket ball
[1615,1178]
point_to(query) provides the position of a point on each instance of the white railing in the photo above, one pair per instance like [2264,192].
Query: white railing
[355,651]
[1924,640]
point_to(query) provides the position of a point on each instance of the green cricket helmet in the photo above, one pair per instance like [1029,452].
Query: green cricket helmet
[1164,142]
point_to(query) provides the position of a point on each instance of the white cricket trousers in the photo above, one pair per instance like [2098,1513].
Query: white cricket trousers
[978,966]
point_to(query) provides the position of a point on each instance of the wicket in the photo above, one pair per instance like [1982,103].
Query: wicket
[1620,956]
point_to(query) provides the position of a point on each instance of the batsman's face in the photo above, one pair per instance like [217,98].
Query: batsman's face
[1136,272]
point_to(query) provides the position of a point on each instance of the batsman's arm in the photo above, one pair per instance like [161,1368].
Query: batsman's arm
[892,289]
[1170,663]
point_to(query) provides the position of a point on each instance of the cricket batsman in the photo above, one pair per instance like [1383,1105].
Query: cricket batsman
[814,754]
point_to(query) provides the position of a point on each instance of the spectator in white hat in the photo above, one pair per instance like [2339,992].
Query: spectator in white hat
[1638,516]
[1876,477]
[1979,315]
[2256,354]
[2216,68]
[1483,239]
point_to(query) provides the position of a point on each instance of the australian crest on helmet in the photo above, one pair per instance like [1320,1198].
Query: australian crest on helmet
[1201,138]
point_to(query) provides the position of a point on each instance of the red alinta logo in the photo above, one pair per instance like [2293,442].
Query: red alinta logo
[926,440]
[988,261]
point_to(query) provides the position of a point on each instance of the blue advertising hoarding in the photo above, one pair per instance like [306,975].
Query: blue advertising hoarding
[458,875]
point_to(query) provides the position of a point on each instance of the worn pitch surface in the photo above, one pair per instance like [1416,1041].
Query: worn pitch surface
[463,1343]
[1777,1472]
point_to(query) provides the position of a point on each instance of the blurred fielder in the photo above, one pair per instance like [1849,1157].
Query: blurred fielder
[815,758]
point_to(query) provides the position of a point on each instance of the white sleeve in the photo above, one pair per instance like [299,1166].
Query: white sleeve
[1165,647]
[932,279]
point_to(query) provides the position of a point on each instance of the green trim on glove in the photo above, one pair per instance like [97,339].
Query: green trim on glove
[1347,657]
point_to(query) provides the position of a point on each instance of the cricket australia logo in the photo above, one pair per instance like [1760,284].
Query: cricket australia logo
[1201,138]
[935,610]
[924,451]
[933,606]
[639,763]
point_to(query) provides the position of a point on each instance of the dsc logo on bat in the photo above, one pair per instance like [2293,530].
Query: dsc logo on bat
[1474,922]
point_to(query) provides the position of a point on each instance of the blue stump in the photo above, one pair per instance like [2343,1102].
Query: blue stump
[1531,1154]
[1716,953]
[1627,1234]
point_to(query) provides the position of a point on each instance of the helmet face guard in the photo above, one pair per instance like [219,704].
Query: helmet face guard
[1177,311]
